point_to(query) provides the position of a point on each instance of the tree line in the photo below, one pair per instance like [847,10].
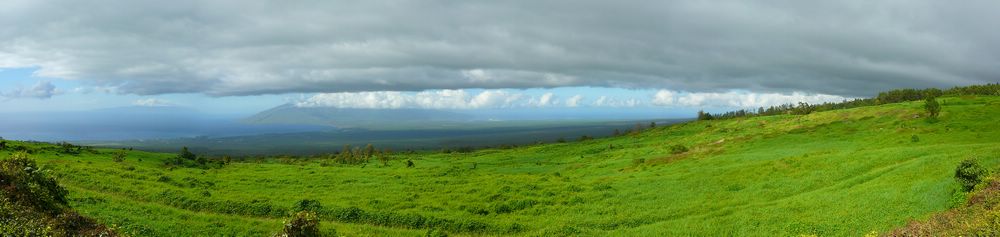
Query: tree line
[358,155]
[887,97]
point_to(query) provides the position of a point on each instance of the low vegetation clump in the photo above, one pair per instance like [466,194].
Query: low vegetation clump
[969,174]
[979,215]
[33,204]
[678,149]
[302,224]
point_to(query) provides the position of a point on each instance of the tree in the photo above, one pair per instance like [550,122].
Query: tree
[384,156]
[409,164]
[617,133]
[969,173]
[345,154]
[3,144]
[932,107]
[119,156]
[704,116]
[652,124]
[369,152]
[356,155]
[186,154]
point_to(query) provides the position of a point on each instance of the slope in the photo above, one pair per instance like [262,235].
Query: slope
[835,173]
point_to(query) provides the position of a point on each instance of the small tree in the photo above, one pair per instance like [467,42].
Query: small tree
[932,107]
[969,173]
[369,152]
[384,156]
[119,155]
[704,116]
[344,155]
[652,124]
[186,154]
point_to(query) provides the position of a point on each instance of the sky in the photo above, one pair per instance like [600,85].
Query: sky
[239,57]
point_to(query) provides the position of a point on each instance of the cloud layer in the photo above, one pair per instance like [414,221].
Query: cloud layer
[242,48]
[440,99]
[737,99]
[493,99]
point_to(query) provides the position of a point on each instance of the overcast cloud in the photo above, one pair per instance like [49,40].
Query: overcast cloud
[848,48]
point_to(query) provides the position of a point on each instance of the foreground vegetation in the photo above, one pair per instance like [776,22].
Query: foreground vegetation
[850,171]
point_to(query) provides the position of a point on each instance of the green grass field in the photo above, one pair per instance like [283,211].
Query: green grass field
[836,173]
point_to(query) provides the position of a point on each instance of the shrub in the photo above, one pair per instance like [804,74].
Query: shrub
[914,138]
[302,224]
[638,162]
[435,233]
[33,204]
[186,154]
[677,149]
[119,156]
[23,182]
[969,173]
[307,205]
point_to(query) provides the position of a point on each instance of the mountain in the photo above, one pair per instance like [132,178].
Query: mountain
[349,118]
[132,122]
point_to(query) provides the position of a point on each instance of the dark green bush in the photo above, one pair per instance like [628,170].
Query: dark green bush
[302,224]
[435,233]
[307,205]
[33,204]
[639,161]
[23,182]
[119,156]
[677,149]
[969,173]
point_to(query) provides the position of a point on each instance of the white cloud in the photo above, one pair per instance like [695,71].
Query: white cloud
[605,101]
[41,90]
[737,99]
[574,101]
[546,99]
[436,99]
[152,102]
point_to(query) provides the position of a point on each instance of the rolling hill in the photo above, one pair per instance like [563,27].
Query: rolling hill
[847,172]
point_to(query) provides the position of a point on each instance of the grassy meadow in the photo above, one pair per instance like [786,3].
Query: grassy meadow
[846,172]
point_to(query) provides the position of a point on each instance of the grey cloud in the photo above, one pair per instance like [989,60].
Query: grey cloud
[41,90]
[242,48]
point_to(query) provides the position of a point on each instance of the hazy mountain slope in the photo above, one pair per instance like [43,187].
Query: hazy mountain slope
[836,173]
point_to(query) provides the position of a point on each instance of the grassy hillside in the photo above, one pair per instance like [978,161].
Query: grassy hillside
[837,173]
